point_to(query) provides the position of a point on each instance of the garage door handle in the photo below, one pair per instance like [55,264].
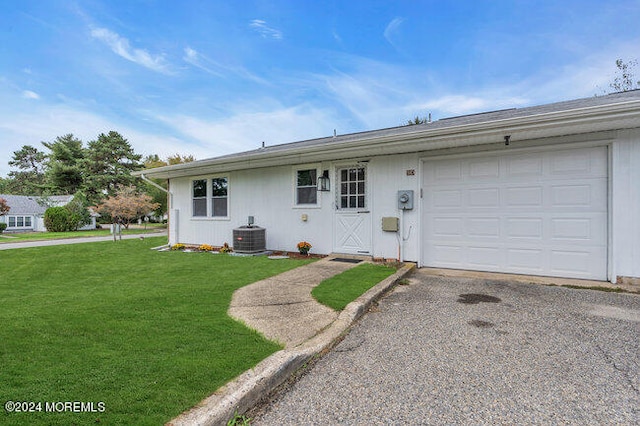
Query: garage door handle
[365,211]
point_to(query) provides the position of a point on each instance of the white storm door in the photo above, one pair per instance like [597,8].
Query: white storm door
[352,222]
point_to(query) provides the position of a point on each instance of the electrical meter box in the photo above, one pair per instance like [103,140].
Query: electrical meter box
[405,200]
[390,224]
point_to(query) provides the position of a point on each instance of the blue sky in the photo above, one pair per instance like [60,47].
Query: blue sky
[209,78]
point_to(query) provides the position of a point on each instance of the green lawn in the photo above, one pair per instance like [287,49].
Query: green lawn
[16,237]
[338,291]
[144,332]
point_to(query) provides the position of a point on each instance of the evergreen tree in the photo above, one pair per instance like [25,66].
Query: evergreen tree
[108,164]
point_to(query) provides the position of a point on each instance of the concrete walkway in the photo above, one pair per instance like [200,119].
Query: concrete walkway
[62,241]
[282,307]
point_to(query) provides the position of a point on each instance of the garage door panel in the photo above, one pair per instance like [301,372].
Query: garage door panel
[483,197]
[524,227]
[542,213]
[484,169]
[524,166]
[530,196]
[447,226]
[525,260]
[483,227]
[484,257]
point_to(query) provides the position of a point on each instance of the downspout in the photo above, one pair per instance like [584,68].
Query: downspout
[169,194]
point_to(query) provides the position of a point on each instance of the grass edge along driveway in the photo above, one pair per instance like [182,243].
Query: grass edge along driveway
[145,333]
[340,290]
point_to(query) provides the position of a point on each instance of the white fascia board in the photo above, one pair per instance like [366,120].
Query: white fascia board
[622,115]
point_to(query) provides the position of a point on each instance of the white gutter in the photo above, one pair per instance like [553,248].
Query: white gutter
[144,178]
[594,118]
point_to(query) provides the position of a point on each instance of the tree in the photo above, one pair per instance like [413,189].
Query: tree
[29,179]
[4,207]
[127,205]
[79,211]
[58,219]
[64,172]
[624,81]
[178,159]
[108,164]
[417,120]
[158,196]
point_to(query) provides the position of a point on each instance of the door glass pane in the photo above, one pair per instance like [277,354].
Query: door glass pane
[353,188]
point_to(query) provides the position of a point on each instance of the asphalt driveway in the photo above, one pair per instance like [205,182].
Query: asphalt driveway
[471,351]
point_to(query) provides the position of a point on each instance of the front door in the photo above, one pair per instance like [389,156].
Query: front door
[352,229]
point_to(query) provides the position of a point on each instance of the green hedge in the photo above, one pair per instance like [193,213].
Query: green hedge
[58,219]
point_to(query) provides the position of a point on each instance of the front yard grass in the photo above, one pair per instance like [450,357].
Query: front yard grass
[17,237]
[144,332]
[338,291]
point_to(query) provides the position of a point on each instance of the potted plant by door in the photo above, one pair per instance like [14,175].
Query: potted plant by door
[304,247]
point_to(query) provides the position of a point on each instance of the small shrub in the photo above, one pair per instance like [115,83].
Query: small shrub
[3,226]
[225,248]
[178,246]
[205,247]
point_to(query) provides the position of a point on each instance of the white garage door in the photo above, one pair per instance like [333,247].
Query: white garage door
[529,213]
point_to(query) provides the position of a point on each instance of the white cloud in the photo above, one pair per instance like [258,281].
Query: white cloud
[265,31]
[44,123]
[391,29]
[191,56]
[246,130]
[198,60]
[28,94]
[120,46]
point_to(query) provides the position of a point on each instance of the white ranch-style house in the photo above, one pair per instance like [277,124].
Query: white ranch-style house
[548,190]
[26,213]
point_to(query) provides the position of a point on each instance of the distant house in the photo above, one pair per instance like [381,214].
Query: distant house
[545,190]
[27,212]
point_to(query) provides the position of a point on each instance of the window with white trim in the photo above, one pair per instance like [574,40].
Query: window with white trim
[199,198]
[19,222]
[306,187]
[219,197]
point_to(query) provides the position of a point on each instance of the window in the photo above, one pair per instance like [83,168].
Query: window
[352,188]
[307,187]
[19,222]
[219,196]
[200,197]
